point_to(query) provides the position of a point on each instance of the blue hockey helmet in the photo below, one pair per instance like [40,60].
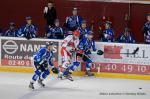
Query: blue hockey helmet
[84,22]
[90,32]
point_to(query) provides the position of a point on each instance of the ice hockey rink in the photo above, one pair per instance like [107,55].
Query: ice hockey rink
[15,86]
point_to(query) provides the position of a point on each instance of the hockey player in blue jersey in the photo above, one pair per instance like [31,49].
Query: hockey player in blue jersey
[28,31]
[126,37]
[68,52]
[82,49]
[73,22]
[42,63]
[83,29]
[12,31]
[87,45]
[108,33]
[55,32]
[146,30]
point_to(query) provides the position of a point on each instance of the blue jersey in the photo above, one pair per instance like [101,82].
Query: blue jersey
[28,31]
[73,22]
[108,35]
[147,32]
[43,56]
[55,33]
[83,32]
[11,33]
[86,44]
[126,39]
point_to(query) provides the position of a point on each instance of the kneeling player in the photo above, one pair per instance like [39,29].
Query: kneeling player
[42,63]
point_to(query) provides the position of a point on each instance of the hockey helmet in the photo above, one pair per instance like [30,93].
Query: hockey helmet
[76,33]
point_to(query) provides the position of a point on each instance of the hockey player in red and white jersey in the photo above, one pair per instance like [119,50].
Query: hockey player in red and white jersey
[68,54]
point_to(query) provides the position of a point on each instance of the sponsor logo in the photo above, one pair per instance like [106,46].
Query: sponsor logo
[112,52]
[10,47]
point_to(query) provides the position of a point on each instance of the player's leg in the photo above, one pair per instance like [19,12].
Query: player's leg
[37,74]
[65,70]
[34,78]
[43,76]
[45,72]
[72,68]
[89,62]
[65,62]
[67,73]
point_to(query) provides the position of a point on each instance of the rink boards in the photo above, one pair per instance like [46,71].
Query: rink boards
[16,54]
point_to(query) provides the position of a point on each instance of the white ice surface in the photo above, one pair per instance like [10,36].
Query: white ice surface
[15,86]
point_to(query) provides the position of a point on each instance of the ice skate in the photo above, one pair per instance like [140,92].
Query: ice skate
[89,73]
[41,83]
[31,86]
[69,77]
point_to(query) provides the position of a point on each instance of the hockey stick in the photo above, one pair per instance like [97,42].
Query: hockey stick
[133,53]
[100,52]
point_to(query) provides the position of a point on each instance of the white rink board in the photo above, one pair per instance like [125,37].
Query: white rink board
[110,63]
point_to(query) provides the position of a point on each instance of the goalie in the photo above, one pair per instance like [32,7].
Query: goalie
[42,63]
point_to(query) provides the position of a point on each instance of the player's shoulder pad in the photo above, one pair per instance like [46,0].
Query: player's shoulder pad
[69,37]
[43,50]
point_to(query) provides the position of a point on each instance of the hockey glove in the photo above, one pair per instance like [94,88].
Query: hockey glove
[100,52]
[55,70]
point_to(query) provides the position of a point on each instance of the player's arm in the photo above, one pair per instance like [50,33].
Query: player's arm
[35,31]
[66,22]
[66,41]
[132,39]
[81,45]
[79,20]
[93,46]
[21,32]
[6,33]
[50,62]
[144,29]
[51,65]
[54,69]
[41,56]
